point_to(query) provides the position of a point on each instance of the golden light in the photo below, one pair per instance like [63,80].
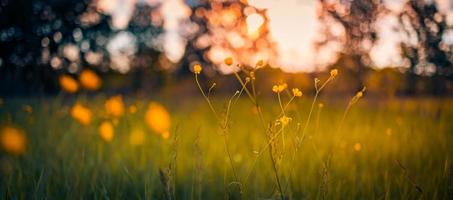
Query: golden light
[254,22]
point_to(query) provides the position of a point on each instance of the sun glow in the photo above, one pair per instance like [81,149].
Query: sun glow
[254,23]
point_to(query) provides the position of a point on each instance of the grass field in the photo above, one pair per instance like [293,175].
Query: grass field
[393,149]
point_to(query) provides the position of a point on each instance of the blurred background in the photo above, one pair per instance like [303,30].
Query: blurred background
[144,47]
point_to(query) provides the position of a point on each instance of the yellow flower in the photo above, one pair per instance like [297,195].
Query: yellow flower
[333,72]
[275,89]
[115,106]
[137,137]
[13,140]
[68,84]
[357,147]
[81,114]
[165,135]
[157,118]
[320,105]
[90,80]
[284,120]
[279,88]
[132,109]
[228,61]
[106,131]
[197,69]
[359,94]
[297,92]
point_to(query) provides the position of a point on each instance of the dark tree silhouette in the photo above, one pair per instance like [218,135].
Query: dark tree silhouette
[421,20]
[357,18]
[37,35]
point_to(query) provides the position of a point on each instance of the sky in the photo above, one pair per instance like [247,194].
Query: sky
[293,27]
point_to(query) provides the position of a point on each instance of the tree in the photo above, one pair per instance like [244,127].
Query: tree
[227,28]
[64,37]
[357,20]
[424,28]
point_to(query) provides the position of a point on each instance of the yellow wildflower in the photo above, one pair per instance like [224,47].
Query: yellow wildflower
[157,118]
[13,140]
[357,147]
[279,88]
[228,61]
[197,69]
[359,94]
[90,80]
[81,114]
[115,106]
[334,72]
[68,84]
[284,120]
[132,109]
[297,92]
[165,135]
[106,131]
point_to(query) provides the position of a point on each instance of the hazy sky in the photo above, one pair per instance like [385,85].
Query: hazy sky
[293,26]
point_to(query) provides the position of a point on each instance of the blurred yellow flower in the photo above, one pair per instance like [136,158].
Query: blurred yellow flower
[132,109]
[165,135]
[68,84]
[115,106]
[137,137]
[90,80]
[333,72]
[81,114]
[320,105]
[106,131]
[228,61]
[359,94]
[357,147]
[279,88]
[284,120]
[13,140]
[297,92]
[157,118]
[197,69]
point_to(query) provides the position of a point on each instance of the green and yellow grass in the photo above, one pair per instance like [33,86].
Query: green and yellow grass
[395,149]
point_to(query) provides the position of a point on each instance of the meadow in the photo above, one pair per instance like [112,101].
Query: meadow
[383,149]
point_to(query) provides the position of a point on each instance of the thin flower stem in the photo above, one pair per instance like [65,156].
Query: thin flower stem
[299,142]
[206,98]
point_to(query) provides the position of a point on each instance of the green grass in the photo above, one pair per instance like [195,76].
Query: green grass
[65,160]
